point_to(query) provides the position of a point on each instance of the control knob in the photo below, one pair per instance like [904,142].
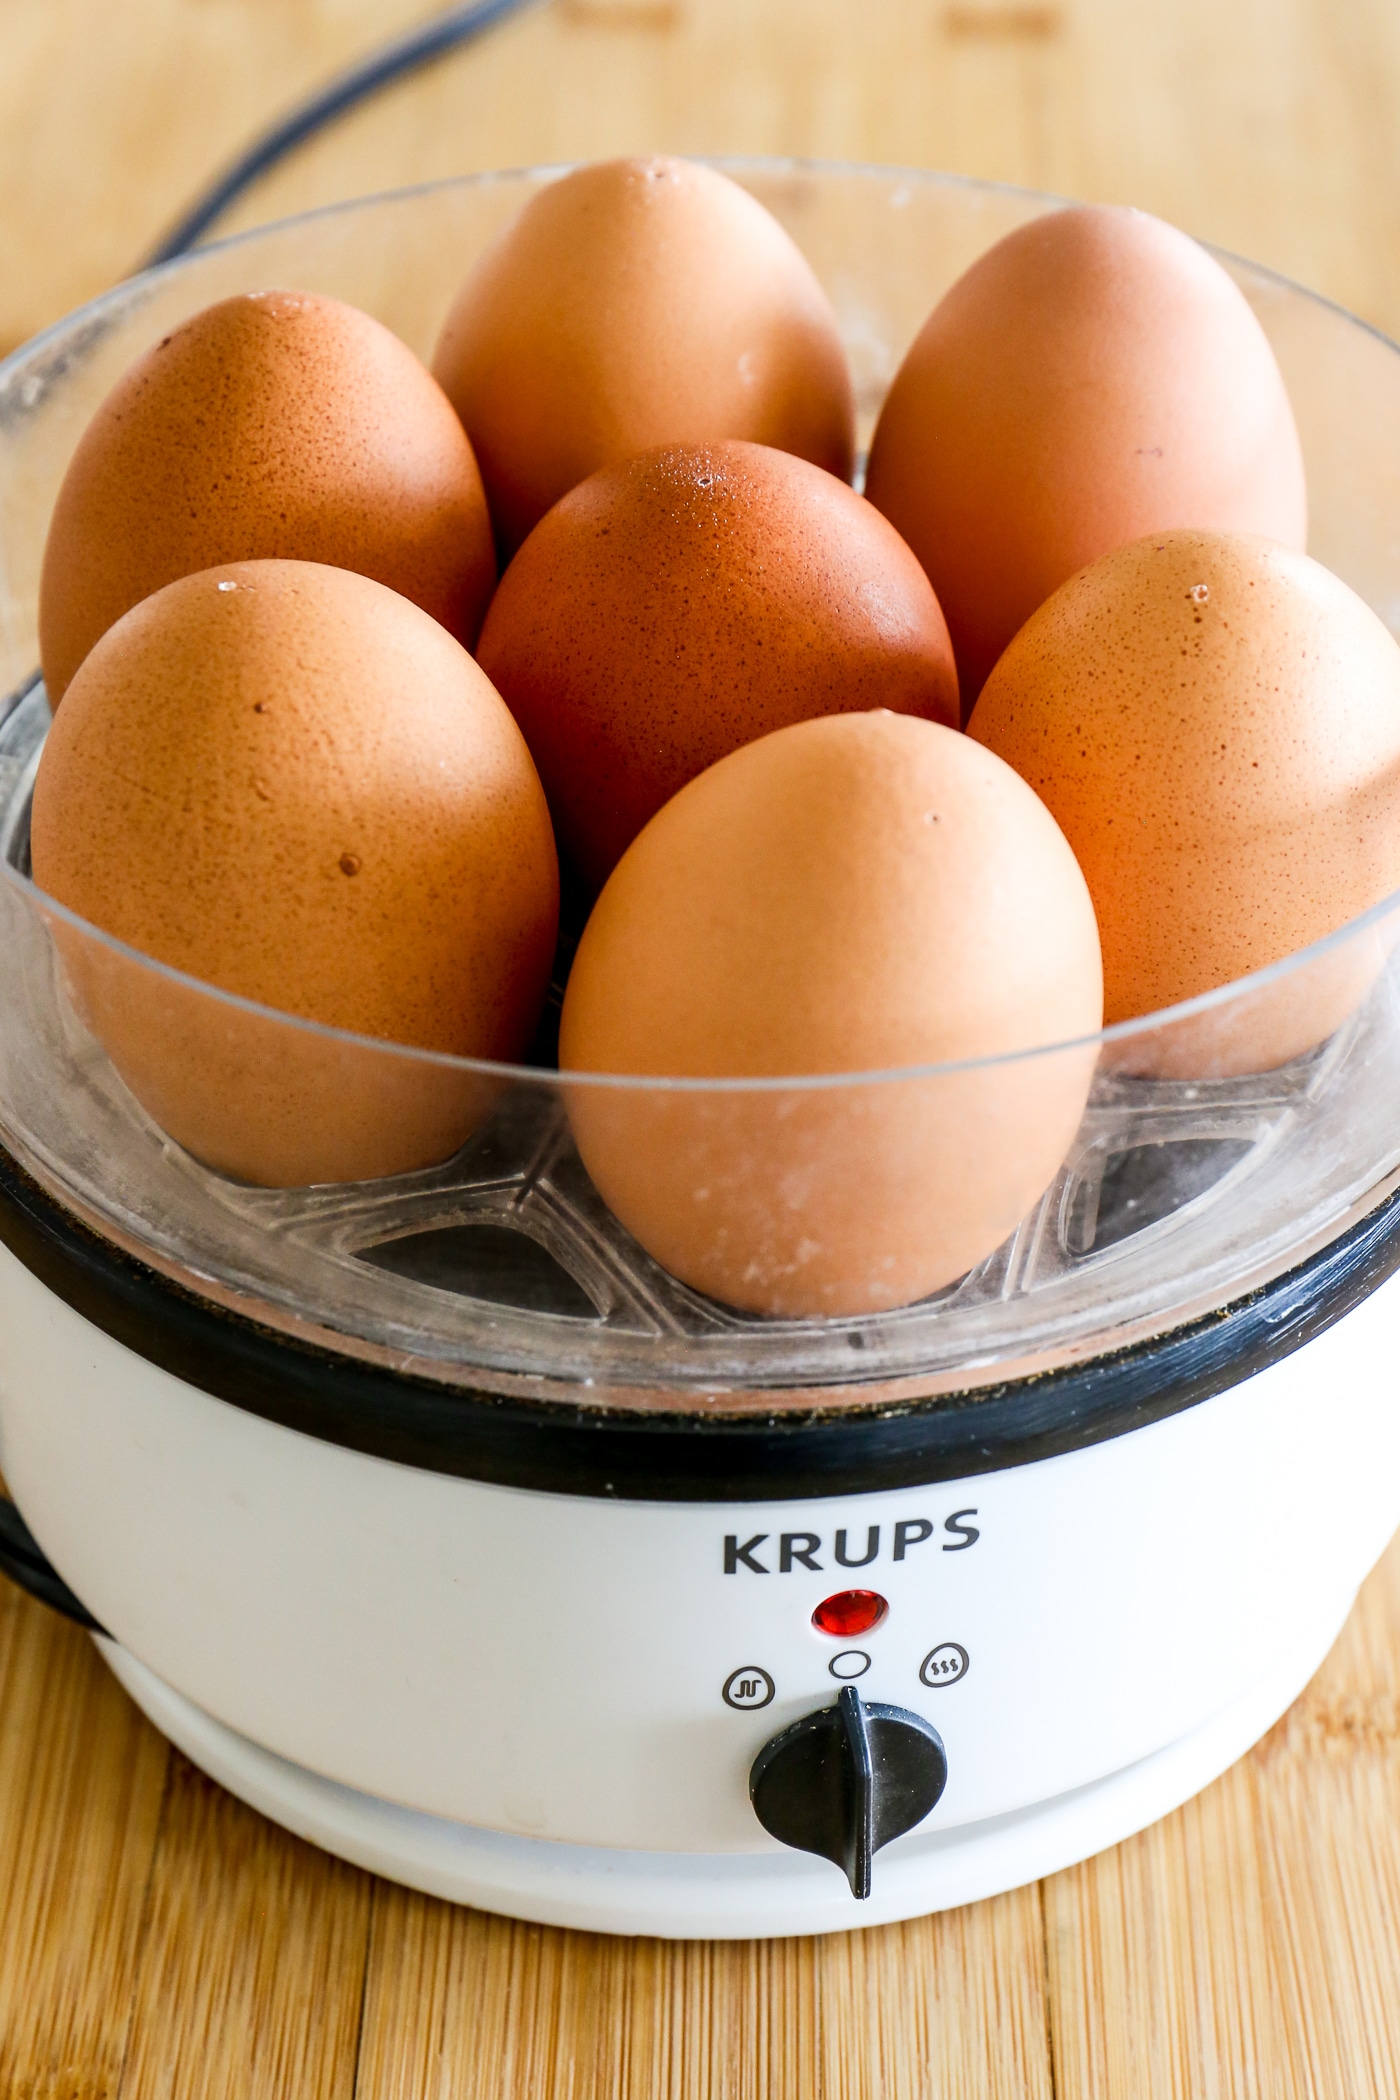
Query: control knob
[844,1781]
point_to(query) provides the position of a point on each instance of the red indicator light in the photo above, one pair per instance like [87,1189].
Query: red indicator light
[850,1611]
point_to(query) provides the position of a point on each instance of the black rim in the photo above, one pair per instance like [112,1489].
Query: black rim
[684,1457]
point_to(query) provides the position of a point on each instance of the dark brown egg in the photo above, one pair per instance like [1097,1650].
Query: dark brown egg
[274,424]
[678,605]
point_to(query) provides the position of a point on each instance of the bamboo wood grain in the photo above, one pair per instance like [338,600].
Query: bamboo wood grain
[1250,1944]
[1267,125]
[476,2008]
[252,1964]
[81,1783]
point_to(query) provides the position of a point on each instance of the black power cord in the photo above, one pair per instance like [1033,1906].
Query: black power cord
[23,1561]
[406,54]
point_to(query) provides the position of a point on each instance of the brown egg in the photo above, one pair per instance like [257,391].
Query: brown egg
[1214,721]
[289,782]
[1093,377]
[272,424]
[638,303]
[863,893]
[682,603]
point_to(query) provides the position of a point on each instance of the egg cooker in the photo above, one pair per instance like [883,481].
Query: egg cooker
[434,1519]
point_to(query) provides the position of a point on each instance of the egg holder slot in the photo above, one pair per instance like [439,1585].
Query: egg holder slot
[503,1265]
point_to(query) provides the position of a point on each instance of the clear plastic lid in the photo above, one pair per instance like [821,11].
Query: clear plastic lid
[834,1241]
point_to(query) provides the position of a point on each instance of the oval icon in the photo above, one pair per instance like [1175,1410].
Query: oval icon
[944,1664]
[748,1689]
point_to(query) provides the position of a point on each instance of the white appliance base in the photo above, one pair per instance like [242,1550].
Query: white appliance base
[691,1895]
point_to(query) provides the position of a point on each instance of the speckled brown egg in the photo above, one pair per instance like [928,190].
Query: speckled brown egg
[638,303]
[682,603]
[860,894]
[290,783]
[1214,721]
[279,424]
[1093,377]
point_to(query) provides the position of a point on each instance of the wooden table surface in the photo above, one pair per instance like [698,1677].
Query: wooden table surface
[157,1938]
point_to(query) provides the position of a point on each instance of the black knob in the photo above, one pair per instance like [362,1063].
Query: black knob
[846,1780]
